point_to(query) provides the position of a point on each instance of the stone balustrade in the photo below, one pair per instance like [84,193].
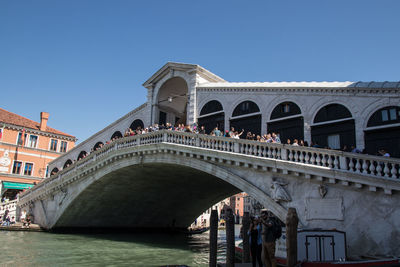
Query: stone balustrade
[366,165]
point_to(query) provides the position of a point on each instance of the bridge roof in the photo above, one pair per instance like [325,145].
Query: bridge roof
[324,84]
[206,74]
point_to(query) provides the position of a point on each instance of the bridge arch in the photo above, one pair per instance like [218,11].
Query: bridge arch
[247,116]
[383,131]
[130,177]
[287,120]
[136,124]
[116,134]
[81,155]
[67,163]
[171,101]
[212,115]
[334,127]
[98,145]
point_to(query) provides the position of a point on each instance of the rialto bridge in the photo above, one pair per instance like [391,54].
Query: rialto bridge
[165,179]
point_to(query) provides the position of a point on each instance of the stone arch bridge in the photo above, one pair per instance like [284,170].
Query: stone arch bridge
[166,179]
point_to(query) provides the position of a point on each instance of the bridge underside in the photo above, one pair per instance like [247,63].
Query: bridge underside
[146,196]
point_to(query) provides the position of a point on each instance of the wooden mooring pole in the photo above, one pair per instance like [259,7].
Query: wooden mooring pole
[246,245]
[230,239]
[213,238]
[292,222]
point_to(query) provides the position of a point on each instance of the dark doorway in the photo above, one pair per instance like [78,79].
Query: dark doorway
[248,124]
[163,118]
[387,138]
[210,122]
[334,135]
[341,133]
[137,124]
[288,129]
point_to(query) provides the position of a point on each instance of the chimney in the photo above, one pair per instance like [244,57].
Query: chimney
[44,116]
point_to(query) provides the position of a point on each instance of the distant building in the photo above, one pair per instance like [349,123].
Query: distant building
[26,148]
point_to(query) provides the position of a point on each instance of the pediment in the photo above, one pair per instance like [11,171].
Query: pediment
[189,68]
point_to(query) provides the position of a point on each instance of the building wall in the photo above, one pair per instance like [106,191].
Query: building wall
[39,156]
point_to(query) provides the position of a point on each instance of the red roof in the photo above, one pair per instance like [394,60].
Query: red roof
[12,118]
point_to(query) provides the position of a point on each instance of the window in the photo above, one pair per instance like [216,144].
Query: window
[334,141]
[63,146]
[392,113]
[385,116]
[17,167]
[53,145]
[286,108]
[20,140]
[28,169]
[32,142]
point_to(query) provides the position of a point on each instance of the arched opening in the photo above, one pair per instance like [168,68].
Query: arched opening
[286,120]
[67,163]
[383,132]
[137,124]
[116,135]
[211,116]
[246,116]
[150,195]
[333,127]
[172,101]
[54,171]
[82,155]
[98,145]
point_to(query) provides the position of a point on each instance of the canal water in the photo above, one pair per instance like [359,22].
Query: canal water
[106,249]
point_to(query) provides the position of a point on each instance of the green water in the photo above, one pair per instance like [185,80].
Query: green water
[49,249]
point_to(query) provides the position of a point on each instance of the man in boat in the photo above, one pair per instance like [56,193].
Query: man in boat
[269,235]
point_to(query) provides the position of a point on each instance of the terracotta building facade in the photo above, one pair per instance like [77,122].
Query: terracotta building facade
[26,148]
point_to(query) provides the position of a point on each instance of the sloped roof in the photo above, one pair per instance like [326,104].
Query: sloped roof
[12,118]
[377,85]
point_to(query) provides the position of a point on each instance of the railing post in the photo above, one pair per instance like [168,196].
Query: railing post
[197,141]
[283,153]
[236,147]
[165,137]
[342,162]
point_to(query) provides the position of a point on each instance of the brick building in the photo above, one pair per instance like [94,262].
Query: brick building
[26,148]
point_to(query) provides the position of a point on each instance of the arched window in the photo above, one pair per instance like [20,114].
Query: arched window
[249,120]
[333,128]
[383,132]
[215,119]
[332,112]
[98,145]
[285,109]
[290,128]
[385,116]
[246,107]
[82,155]
[211,107]
[67,163]
[54,171]
[136,124]
[117,134]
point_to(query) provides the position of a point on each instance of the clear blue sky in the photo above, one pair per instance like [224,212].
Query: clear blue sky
[84,61]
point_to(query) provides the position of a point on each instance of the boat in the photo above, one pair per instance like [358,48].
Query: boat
[315,249]
[196,231]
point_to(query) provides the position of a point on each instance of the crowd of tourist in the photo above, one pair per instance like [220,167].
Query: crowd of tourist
[232,133]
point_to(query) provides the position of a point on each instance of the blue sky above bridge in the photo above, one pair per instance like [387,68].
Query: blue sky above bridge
[84,61]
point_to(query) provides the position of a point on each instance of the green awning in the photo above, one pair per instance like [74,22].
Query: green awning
[11,185]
